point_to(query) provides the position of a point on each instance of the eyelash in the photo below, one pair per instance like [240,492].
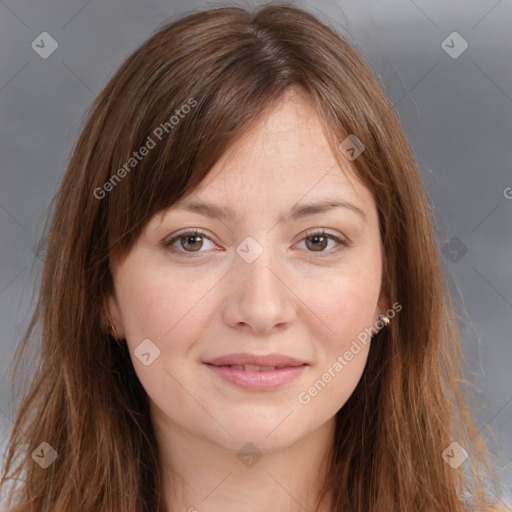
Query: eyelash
[168,244]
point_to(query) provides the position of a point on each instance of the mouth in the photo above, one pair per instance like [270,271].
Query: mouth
[252,377]
[254,367]
[255,362]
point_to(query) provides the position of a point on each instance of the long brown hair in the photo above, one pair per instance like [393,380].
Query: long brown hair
[84,398]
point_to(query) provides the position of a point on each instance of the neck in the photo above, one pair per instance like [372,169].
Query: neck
[200,476]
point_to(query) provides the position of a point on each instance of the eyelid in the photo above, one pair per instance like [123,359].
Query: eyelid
[168,242]
[323,232]
[342,241]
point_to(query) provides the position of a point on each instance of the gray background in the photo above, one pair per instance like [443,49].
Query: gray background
[457,113]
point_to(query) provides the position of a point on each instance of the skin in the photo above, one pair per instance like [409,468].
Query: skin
[294,300]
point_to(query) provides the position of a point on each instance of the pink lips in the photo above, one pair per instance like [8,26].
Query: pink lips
[255,373]
[267,360]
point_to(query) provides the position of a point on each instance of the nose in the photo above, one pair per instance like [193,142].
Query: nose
[258,297]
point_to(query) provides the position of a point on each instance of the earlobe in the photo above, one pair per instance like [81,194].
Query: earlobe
[383,307]
[384,319]
[382,312]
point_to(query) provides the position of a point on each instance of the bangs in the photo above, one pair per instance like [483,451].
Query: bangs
[174,133]
[169,116]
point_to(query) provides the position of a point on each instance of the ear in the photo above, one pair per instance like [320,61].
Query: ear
[383,304]
[112,317]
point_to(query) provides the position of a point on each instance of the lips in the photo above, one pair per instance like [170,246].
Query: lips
[257,373]
[252,362]
[252,367]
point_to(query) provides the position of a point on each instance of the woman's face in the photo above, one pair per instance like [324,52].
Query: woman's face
[260,281]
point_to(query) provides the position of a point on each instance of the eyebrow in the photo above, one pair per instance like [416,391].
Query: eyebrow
[214,211]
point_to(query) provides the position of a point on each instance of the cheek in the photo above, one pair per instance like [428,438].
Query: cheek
[339,386]
[345,305]
[166,307]
[342,353]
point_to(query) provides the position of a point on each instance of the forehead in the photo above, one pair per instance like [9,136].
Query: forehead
[284,155]
[287,134]
[280,167]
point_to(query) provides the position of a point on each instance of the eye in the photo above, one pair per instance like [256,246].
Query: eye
[317,241]
[192,241]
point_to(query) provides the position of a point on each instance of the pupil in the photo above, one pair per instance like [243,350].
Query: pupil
[192,237]
[318,240]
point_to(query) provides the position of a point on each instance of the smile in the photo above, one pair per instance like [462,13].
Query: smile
[257,378]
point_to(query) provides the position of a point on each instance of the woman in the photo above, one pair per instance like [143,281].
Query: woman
[242,304]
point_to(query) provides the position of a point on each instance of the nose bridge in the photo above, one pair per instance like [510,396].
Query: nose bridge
[258,296]
[254,262]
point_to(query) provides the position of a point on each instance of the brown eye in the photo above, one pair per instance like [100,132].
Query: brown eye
[187,242]
[318,242]
[191,242]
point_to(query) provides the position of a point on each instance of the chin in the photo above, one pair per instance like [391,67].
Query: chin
[267,436]
[245,442]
